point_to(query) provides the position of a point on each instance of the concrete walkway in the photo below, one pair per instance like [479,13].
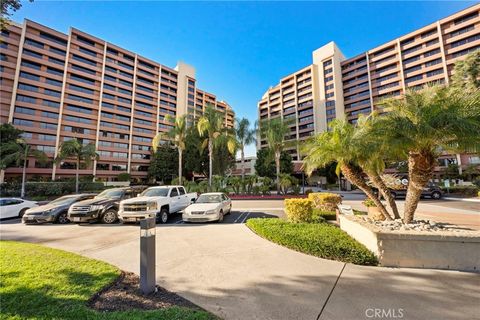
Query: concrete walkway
[230,271]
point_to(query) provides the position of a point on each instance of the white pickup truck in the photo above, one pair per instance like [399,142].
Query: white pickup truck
[158,202]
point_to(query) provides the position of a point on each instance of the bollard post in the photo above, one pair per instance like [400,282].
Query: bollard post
[147,255]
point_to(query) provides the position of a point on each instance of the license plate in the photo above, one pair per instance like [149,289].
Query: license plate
[75,219]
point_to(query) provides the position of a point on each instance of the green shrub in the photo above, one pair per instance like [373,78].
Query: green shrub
[369,203]
[325,201]
[48,189]
[325,214]
[318,239]
[299,210]
[124,176]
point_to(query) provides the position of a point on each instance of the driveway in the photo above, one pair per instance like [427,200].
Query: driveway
[230,271]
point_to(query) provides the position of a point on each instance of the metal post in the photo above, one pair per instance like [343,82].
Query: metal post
[147,255]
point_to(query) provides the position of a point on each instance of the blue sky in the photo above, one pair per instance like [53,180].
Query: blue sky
[239,49]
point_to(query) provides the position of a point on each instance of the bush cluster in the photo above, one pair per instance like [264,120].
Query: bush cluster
[319,214]
[318,239]
[325,201]
[299,210]
[48,189]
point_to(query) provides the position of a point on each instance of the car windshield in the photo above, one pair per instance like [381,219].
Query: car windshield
[63,200]
[209,198]
[111,194]
[155,192]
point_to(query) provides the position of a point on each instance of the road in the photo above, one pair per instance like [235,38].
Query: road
[230,271]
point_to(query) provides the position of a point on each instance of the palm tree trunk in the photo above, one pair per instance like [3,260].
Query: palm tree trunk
[243,168]
[420,170]
[354,175]
[387,195]
[76,175]
[277,167]
[24,173]
[179,166]
[210,162]
[2,176]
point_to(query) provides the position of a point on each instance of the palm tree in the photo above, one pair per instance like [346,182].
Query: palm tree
[82,153]
[245,136]
[211,126]
[423,124]
[17,152]
[178,135]
[274,132]
[340,145]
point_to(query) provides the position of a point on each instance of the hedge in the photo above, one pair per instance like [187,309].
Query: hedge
[48,189]
[318,214]
[299,210]
[318,239]
[325,201]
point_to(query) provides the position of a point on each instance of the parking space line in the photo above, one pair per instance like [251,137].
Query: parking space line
[246,217]
[239,217]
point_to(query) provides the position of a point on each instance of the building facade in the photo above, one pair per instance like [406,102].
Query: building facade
[248,164]
[58,86]
[336,87]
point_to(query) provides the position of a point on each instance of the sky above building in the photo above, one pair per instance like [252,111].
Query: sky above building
[239,49]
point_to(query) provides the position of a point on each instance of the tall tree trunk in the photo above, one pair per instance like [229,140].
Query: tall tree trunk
[210,162]
[420,171]
[354,175]
[277,167]
[180,153]
[387,195]
[24,173]
[242,155]
[77,169]
[2,176]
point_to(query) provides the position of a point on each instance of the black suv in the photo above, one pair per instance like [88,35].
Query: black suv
[430,191]
[103,207]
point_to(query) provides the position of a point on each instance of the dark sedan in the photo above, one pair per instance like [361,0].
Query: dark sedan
[55,211]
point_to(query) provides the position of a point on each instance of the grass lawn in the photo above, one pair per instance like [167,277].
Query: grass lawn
[318,239]
[42,283]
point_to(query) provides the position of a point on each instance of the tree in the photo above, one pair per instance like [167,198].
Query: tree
[245,136]
[210,126]
[195,160]
[265,164]
[8,134]
[17,153]
[163,163]
[8,6]
[466,72]
[177,135]
[424,123]
[223,159]
[274,132]
[81,153]
[340,145]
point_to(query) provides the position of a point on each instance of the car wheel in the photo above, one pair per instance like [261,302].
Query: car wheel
[436,195]
[162,216]
[220,218]
[22,212]
[109,217]
[62,218]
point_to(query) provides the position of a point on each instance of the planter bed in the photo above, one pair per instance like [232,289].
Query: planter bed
[454,250]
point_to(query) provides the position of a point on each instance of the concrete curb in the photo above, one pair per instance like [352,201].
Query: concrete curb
[462,199]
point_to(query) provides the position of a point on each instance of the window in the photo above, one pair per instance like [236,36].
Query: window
[53,38]
[433,62]
[46,149]
[55,60]
[86,51]
[431,53]
[26,99]
[174,192]
[25,110]
[27,87]
[31,65]
[434,73]
[79,109]
[21,122]
[54,71]
[82,79]
[57,51]
[84,60]
[52,93]
[50,115]
[53,82]
[428,33]
[80,89]
[465,41]
[474,159]
[327,71]
[34,43]
[77,119]
[46,137]
[415,78]
[29,76]
[79,68]
[80,99]
[465,18]
[51,104]
[48,126]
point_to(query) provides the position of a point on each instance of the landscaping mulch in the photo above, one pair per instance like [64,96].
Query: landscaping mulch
[124,294]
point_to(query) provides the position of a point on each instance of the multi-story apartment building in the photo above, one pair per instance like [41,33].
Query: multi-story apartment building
[58,86]
[336,87]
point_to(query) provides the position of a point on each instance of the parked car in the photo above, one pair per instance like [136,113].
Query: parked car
[55,211]
[14,207]
[104,207]
[208,207]
[430,191]
[156,202]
